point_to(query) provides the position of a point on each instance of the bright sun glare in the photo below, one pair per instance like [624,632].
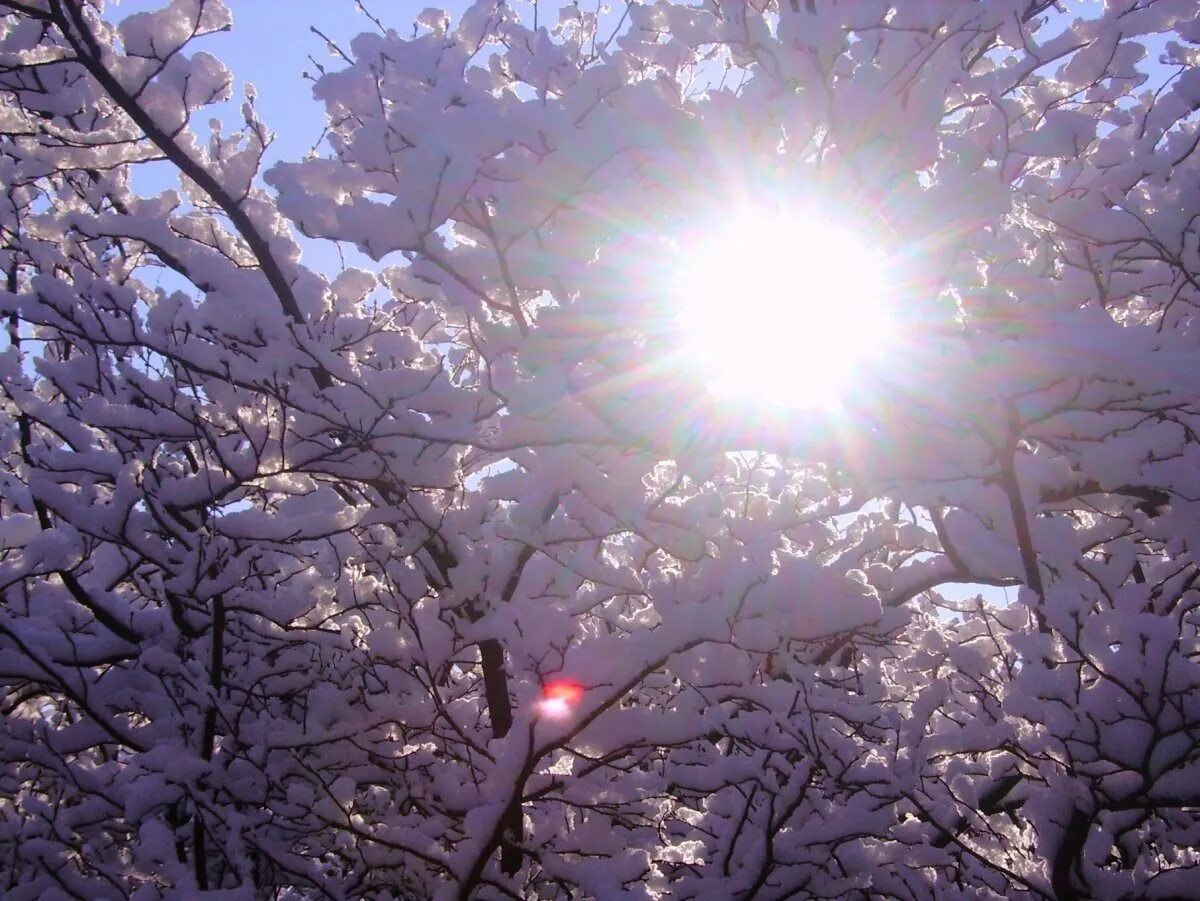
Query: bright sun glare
[779,308]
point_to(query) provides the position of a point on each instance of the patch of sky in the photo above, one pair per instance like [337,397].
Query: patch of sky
[277,49]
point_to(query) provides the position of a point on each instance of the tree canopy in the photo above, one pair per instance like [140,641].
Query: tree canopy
[444,576]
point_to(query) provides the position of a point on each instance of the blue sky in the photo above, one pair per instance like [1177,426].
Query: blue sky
[270,46]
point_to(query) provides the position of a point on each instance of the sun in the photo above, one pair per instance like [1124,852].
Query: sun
[779,308]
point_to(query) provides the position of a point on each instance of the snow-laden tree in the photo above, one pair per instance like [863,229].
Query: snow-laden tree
[450,578]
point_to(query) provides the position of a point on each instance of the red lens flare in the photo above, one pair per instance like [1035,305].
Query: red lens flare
[559,698]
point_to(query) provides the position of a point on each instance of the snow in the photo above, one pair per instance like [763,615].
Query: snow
[446,579]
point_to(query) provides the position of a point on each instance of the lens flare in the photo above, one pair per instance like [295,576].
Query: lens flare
[559,698]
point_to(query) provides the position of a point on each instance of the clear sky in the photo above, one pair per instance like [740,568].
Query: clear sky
[270,46]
